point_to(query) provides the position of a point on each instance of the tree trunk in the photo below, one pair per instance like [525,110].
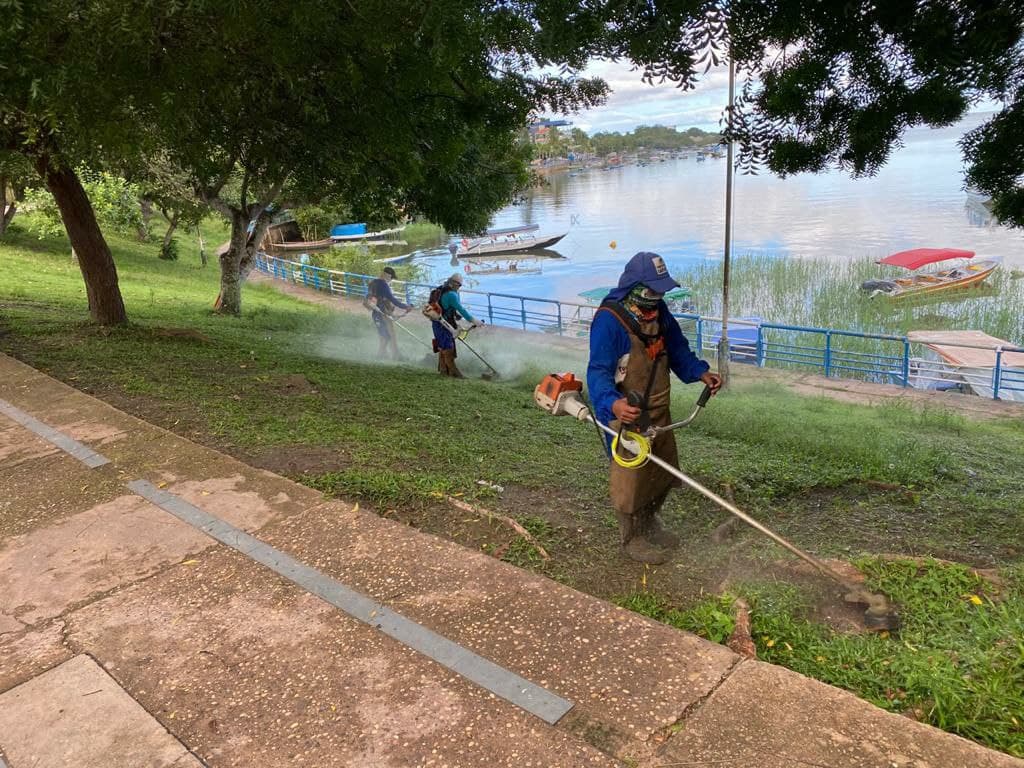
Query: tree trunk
[229,302]
[9,199]
[94,259]
[172,224]
[239,260]
[202,245]
[146,209]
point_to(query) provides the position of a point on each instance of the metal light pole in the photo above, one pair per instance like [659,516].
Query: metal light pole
[723,343]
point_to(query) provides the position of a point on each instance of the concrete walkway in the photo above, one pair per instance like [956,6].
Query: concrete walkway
[214,614]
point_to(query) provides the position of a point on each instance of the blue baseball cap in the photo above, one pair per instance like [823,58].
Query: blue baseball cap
[648,269]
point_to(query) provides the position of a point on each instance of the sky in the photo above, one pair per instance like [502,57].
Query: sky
[632,102]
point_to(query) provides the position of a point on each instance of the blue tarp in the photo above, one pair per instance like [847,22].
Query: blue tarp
[341,230]
[740,335]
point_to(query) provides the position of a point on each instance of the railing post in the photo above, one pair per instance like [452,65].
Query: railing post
[490,310]
[316,278]
[906,362]
[346,282]
[760,347]
[997,374]
[828,354]
[559,305]
[366,286]
[522,310]
[700,336]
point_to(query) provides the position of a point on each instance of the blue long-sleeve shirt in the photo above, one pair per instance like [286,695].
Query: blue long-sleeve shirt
[450,301]
[609,341]
[381,291]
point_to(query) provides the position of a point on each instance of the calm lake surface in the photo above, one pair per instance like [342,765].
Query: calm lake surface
[676,208]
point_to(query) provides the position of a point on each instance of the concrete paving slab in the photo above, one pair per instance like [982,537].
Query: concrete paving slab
[51,487]
[628,676]
[249,670]
[76,715]
[770,717]
[62,440]
[25,653]
[18,445]
[55,567]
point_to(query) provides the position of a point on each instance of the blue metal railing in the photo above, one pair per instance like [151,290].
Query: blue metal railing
[875,357]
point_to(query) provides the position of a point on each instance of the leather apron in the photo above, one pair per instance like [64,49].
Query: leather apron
[634,489]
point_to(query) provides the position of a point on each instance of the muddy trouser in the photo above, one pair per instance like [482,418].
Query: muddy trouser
[637,494]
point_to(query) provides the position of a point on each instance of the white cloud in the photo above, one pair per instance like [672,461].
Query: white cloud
[633,102]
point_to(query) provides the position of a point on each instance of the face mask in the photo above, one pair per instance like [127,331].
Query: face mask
[645,300]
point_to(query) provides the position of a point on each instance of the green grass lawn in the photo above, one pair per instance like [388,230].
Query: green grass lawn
[290,386]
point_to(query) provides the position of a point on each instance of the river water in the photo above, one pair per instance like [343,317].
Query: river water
[676,208]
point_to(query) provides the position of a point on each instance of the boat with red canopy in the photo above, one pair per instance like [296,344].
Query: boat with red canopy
[965,274]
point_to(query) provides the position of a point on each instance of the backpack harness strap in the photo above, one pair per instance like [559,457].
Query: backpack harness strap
[654,345]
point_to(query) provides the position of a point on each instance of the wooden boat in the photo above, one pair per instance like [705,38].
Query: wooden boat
[286,236]
[302,245]
[507,240]
[966,274]
[969,357]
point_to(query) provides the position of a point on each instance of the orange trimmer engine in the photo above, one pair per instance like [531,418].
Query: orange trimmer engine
[561,393]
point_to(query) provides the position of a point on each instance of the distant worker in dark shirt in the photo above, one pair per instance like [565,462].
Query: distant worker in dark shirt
[382,302]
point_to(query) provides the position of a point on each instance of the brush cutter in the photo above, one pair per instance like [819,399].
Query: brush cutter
[461,334]
[562,394]
[421,341]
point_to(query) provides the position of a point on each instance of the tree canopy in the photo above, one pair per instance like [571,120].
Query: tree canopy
[837,83]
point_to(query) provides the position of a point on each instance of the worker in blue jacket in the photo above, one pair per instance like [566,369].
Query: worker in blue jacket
[382,302]
[634,343]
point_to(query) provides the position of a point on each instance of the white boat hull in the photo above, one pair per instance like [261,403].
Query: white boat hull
[518,245]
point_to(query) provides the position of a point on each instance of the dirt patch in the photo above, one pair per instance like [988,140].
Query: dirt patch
[185,334]
[293,384]
[297,460]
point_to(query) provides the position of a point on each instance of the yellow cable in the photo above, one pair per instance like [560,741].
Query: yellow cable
[643,450]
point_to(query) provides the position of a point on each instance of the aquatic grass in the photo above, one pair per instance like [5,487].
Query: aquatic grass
[825,293]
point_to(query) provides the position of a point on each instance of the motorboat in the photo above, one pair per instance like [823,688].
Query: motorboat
[506,240]
[964,274]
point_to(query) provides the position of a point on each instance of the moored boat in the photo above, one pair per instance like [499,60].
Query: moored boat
[346,233]
[971,357]
[507,240]
[964,274]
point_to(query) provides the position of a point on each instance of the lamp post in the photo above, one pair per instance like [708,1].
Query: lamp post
[723,342]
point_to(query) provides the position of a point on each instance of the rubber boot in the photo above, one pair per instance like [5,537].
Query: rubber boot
[453,369]
[635,545]
[653,529]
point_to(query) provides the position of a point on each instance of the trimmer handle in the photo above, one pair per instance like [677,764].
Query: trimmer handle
[704,397]
[636,400]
